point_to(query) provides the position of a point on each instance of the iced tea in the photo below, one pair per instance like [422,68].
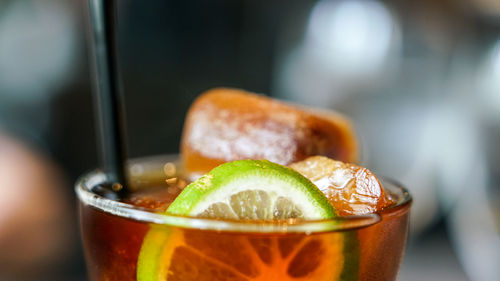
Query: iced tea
[366,247]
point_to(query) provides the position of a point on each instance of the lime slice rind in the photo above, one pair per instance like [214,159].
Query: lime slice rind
[154,248]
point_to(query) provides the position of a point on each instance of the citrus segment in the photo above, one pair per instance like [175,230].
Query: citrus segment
[263,247]
[351,189]
[191,266]
[223,250]
[288,243]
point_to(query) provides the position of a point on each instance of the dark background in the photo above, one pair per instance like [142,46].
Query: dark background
[420,80]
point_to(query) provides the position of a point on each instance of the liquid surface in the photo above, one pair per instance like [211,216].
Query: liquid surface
[351,189]
[156,198]
[159,197]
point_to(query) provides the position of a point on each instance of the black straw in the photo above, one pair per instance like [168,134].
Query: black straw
[108,100]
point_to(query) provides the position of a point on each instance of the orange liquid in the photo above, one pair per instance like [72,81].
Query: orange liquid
[112,245]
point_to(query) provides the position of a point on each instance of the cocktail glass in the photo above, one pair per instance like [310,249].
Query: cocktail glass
[363,247]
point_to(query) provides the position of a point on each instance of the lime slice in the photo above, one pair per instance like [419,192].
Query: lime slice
[252,189]
[247,189]
[179,254]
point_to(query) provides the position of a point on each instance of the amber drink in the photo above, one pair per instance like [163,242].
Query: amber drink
[363,247]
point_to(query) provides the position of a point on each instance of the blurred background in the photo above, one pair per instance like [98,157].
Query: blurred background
[420,79]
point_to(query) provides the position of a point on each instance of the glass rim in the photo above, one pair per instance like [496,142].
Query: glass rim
[84,184]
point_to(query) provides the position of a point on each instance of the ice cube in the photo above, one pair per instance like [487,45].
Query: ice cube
[230,124]
[351,189]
